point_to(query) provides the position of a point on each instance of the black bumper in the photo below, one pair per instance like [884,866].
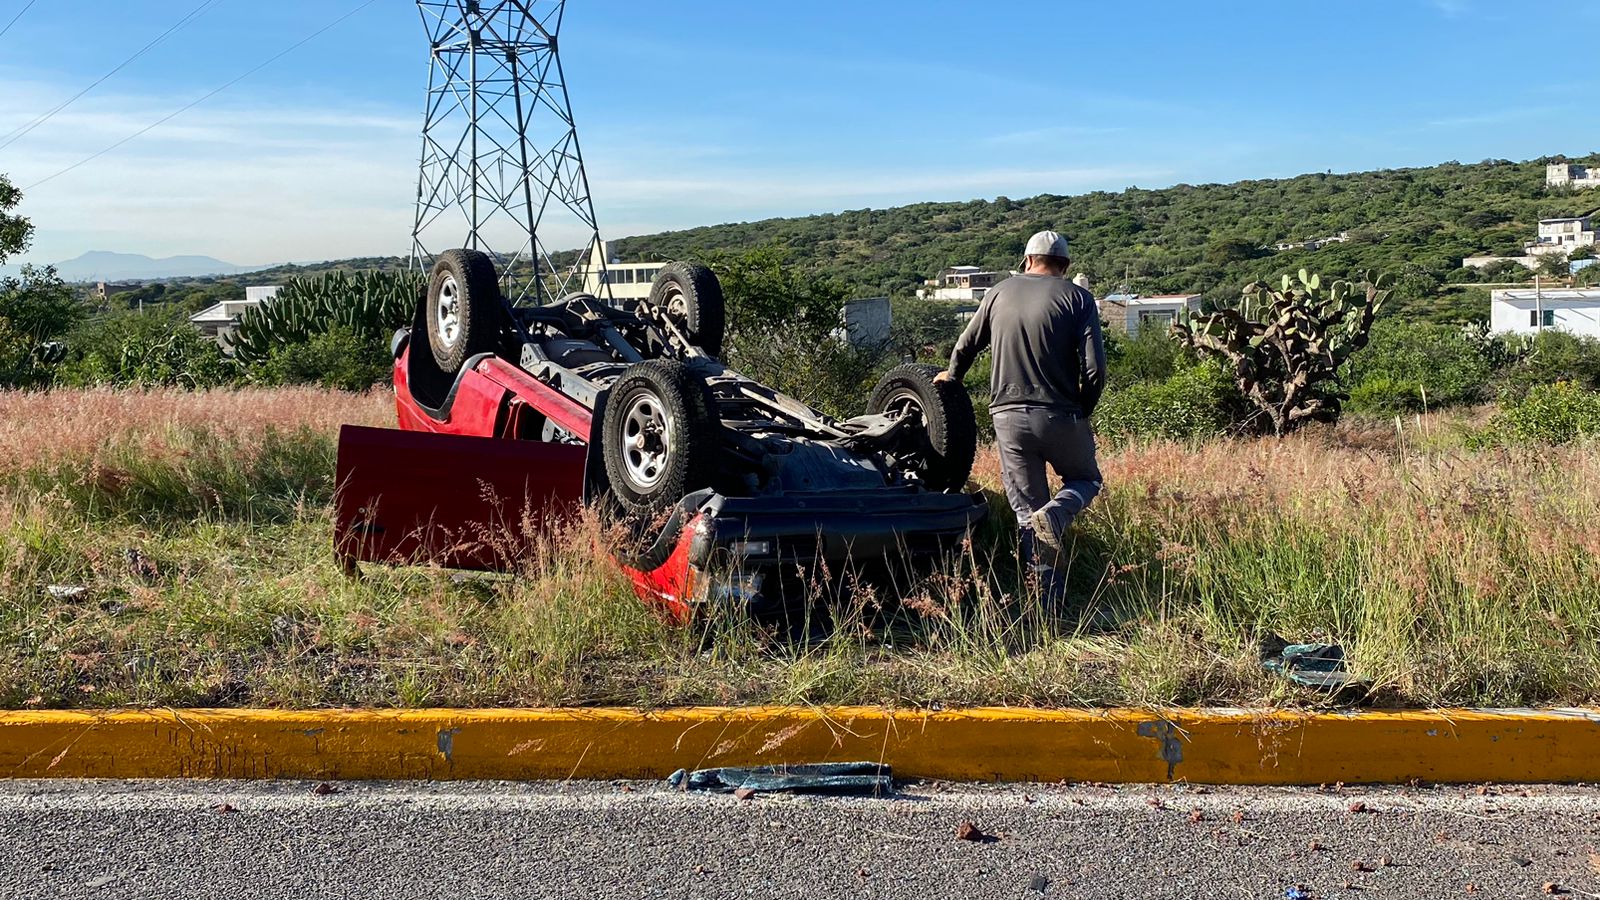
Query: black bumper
[833,527]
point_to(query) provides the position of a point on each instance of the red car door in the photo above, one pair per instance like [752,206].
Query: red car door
[411,497]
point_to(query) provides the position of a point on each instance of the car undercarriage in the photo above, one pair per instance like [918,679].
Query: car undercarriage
[725,487]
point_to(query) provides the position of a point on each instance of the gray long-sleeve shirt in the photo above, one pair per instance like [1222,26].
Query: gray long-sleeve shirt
[1045,335]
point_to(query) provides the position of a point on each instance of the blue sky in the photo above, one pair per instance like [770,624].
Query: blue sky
[706,112]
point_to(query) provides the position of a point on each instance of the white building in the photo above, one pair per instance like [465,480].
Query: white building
[1529,311]
[628,281]
[1531,263]
[1569,175]
[222,320]
[1130,312]
[1342,237]
[962,284]
[1563,235]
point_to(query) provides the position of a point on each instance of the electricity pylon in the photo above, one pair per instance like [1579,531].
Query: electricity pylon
[501,168]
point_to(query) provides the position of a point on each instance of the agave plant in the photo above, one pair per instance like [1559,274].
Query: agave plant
[369,304]
[1285,347]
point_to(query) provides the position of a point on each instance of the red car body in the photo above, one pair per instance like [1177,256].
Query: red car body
[468,483]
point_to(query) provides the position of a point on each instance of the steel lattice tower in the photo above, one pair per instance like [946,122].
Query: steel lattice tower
[500,156]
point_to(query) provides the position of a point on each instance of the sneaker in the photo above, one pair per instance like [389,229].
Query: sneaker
[1045,532]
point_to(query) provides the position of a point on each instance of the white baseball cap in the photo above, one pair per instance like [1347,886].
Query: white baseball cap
[1047,243]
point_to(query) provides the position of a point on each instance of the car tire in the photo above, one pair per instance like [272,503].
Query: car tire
[464,308]
[660,437]
[691,296]
[951,426]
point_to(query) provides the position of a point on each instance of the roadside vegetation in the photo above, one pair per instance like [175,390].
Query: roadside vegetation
[165,533]
[173,548]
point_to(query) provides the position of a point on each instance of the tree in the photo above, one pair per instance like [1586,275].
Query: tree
[1554,265]
[1222,251]
[15,231]
[1285,347]
[35,309]
[923,329]
[1414,222]
[784,325]
[1505,271]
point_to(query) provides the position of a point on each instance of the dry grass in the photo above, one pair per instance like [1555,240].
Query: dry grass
[1452,577]
[37,428]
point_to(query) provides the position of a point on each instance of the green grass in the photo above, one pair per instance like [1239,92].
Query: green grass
[1453,576]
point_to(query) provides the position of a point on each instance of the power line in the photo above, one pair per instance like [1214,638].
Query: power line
[169,117]
[20,132]
[25,8]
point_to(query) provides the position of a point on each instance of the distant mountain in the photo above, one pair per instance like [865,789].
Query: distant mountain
[103,265]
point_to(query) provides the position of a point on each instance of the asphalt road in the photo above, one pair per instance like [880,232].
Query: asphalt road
[496,840]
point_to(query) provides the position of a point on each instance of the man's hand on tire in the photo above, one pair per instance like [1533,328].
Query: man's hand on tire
[943,377]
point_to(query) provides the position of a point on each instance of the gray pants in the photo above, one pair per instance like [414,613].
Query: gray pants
[1029,439]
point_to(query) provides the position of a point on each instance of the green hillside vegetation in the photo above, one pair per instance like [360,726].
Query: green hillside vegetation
[1210,239]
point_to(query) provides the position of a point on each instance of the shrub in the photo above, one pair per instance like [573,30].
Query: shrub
[1154,355]
[369,305]
[923,330]
[1549,357]
[1383,394]
[1505,271]
[149,349]
[333,331]
[338,359]
[784,331]
[1551,414]
[1196,403]
[1409,365]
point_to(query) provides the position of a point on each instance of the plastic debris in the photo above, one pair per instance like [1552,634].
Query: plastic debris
[857,778]
[1313,665]
[66,591]
[1297,892]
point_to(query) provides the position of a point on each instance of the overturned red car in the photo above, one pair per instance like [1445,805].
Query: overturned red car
[512,416]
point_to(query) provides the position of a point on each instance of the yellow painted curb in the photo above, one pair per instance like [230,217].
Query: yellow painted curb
[1139,746]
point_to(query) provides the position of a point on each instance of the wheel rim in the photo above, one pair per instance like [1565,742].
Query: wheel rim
[677,307]
[904,404]
[447,315]
[646,441]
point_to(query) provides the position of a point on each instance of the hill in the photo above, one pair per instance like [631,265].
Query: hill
[103,265]
[1211,238]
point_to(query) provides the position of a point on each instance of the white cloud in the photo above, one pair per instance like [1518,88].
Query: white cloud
[245,184]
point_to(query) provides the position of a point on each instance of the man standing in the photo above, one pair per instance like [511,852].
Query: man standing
[1049,372]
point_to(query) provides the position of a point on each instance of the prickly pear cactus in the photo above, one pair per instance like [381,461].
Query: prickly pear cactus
[1285,347]
[371,304]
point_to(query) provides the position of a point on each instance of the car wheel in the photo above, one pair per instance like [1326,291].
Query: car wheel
[692,298]
[464,308]
[660,436]
[942,458]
